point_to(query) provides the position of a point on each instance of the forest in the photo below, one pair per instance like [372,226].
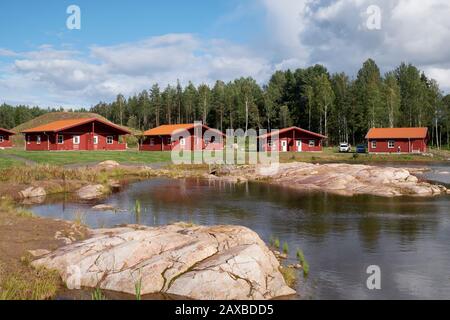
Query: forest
[336,105]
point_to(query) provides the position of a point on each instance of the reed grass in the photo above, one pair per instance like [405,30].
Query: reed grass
[302,260]
[97,294]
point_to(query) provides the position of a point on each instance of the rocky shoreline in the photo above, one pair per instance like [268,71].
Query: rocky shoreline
[341,179]
[338,178]
[217,262]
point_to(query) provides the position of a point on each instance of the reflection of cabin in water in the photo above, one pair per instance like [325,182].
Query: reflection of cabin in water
[183,137]
[76,134]
[293,139]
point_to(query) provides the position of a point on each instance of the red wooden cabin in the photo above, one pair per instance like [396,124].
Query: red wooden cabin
[188,136]
[397,140]
[293,139]
[76,134]
[5,138]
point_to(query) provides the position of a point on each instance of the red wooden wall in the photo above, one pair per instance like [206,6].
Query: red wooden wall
[86,133]
[406,146]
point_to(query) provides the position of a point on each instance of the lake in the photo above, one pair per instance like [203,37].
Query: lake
[408,238]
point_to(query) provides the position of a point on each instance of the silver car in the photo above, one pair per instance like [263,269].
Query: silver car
[345,147]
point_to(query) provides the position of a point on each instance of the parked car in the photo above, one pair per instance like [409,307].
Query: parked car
[361,148]
[345,147]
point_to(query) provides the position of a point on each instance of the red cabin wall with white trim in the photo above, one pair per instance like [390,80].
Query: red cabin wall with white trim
[164,143]
[5,140]
[406,146]
[291,142]
[86,132]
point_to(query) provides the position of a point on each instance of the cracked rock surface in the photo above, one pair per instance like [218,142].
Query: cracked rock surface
[343,179]
[218,262]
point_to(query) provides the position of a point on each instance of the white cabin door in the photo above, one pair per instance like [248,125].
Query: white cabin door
[284,145]
[298,144]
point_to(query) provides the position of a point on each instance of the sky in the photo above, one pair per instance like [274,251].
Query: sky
[126,46]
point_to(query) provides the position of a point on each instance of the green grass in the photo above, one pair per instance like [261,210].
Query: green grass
[330,154]
[7,162]
[42,285]
[285,248]
[137,289]
[302,260]
[136,157]
[97,294]
[85,157]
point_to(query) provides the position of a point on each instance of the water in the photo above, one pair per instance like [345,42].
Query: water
[341,236]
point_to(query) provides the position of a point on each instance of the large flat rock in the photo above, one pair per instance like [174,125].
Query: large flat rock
[219,262]
[343,179]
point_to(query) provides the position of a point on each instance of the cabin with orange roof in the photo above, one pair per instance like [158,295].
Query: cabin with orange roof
[397,140]
[188,136]
[5,138]
[292,139]
[76,135]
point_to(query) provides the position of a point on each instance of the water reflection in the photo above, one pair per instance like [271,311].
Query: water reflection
[340,236]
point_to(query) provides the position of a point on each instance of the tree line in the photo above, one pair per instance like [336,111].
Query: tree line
[335,105]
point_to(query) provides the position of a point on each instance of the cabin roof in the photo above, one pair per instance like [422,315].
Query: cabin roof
[397,133]
[169,129]
[267,135]
[61,125]
[7,131]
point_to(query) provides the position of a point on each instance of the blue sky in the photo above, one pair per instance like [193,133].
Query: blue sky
[111,22]
[125,46]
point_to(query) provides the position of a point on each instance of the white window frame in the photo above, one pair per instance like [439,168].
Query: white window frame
[95,140]
[312,143]
[182,141]
[76,140]
[28,139]
[38,139]
[2,139]
[374,144]
[391,146]
[110,140]
[62,139]
[151,141]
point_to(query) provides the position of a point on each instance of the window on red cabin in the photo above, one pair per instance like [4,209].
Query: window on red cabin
[38,139]
[391,144]
[2,139]
[312,143]
[374,144]
[109,139]
[60,139]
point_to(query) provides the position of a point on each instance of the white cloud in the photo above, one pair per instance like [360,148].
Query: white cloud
[299,33]
[69,78]
[334,32]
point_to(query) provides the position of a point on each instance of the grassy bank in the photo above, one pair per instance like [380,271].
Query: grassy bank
[13,157]
[331,155]
[20,231]
[84,157]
